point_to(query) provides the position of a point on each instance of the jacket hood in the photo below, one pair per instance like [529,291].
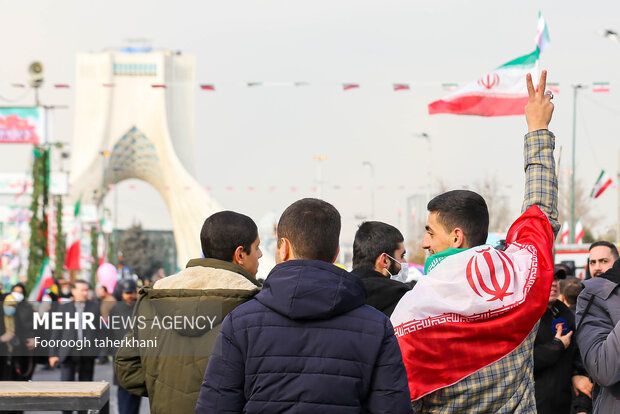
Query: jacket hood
[613,274]
[311,289]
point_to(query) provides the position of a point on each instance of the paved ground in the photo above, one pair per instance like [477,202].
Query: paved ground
[102,373]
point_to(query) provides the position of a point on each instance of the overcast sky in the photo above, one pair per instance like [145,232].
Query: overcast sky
[267,136]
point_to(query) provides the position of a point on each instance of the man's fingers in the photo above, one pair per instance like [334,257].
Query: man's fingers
[543,83]
[530,86]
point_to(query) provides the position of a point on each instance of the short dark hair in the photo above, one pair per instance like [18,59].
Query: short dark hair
[464,209]
[371,240]
[20,285]
[77,281]
[313,228]
[570,289]
[224,231]
[612,247]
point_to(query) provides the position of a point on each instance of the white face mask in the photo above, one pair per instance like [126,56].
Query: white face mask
[401,276]
[18,296]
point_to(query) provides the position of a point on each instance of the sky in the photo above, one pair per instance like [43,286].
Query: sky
[267,136]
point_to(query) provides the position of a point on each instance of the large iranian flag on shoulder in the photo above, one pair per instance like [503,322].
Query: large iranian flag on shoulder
[501,92]
[475,307]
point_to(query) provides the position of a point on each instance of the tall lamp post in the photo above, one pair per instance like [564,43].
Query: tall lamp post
[576,87]
[116,168]
[429,173]
[319,173]
[372,187]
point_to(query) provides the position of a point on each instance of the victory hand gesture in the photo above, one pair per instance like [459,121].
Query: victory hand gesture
[539,109]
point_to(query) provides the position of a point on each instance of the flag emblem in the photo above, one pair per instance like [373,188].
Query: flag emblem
[489,81]
[496,291]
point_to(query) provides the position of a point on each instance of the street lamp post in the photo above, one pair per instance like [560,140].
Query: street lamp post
[429,171]
[576,87]
[319,173]
[372,188]
[116,168]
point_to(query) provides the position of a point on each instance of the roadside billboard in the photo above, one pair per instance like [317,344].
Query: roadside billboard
[23,125]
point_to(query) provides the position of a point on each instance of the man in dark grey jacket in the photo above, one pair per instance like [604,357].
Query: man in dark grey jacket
[598,337]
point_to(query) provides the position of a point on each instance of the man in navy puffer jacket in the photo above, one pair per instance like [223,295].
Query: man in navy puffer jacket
[307,343]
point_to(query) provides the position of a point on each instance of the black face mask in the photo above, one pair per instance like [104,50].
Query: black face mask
[392,269]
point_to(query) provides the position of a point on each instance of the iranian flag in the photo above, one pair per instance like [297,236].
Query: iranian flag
[603,182]
[600,87]
[72,259]
[500,92]
[579,232]
[565,233]
[542,33]
[36,292]
[475,306]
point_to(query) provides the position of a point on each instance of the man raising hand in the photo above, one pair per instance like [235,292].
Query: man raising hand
[467,329]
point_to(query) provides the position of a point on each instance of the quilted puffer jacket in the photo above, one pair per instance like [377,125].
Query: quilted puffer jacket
[306,343]
[598,337]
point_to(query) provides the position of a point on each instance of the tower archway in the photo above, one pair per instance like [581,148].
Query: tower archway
[134,119]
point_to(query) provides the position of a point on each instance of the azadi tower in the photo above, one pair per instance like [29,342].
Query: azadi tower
[136,107]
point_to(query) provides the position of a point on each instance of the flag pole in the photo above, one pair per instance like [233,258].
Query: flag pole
[572,181]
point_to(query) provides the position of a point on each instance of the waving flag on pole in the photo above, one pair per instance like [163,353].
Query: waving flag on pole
[603,182]
[579,232]
[542,33]
[496,299]
[565,233]
[74,238]
[500,92]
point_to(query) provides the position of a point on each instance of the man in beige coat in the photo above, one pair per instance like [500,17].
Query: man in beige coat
[181,315]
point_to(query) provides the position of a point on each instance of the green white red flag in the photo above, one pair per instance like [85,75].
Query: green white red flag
[500,92]
[475,307]
[600,87]
[602,184]
[565,233]
[542,33]
[74,238]
[579,232]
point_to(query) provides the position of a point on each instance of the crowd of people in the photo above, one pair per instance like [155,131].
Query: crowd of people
[486,330]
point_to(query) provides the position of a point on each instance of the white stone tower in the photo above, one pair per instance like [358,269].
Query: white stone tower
[138,105]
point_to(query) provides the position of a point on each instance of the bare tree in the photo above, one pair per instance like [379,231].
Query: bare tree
[139,253]
[497,203]
[583,207]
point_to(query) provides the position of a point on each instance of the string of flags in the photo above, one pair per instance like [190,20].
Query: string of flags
[345,86]
[313,188]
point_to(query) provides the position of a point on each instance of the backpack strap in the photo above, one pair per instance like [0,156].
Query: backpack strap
[585,312]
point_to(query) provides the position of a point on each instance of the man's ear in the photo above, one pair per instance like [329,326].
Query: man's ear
[382,263]
[283,252]
[336,256]
[239,255]
[457,238]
